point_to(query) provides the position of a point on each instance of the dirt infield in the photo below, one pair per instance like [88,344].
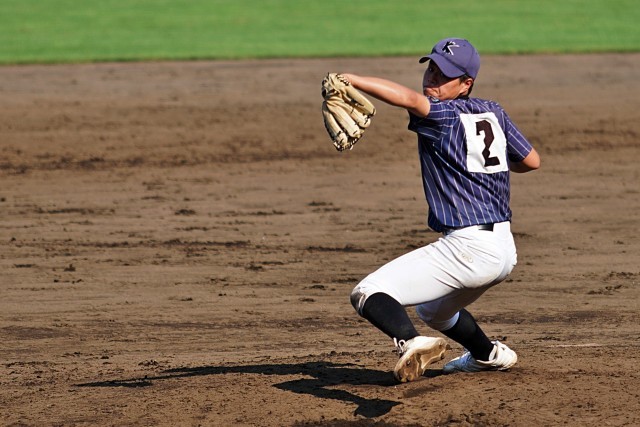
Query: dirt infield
[179,241]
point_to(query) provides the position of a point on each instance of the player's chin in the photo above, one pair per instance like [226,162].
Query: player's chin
[427,91]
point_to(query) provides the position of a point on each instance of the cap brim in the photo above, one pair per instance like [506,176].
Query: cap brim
[447,68]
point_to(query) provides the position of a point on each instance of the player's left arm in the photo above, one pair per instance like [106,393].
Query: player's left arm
[529,163]
[392,93]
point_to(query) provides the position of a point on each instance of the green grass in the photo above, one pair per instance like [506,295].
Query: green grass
[107,30]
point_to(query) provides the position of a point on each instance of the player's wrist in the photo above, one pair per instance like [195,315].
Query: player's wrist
[349,78]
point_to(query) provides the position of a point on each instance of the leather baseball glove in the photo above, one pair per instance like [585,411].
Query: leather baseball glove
[346,112]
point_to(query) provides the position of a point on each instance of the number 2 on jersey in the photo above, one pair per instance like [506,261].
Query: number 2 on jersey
[486,143]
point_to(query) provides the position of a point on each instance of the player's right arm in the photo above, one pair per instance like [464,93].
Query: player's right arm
[392,93]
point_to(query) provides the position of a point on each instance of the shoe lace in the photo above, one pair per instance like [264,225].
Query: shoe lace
[399,346]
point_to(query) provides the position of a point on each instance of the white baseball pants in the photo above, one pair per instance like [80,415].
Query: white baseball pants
[444,276]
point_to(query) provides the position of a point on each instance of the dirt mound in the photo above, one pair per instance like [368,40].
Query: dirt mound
[180,241]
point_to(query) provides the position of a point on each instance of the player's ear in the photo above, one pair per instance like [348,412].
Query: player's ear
[466,85]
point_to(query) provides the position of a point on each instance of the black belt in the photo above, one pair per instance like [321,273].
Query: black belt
[484,227]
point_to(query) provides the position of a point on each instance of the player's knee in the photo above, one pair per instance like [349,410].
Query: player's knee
[437,321]
[363,291]
[424,314]
[358,298]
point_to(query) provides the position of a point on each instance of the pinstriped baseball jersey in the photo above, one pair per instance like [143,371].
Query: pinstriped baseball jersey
[465,147]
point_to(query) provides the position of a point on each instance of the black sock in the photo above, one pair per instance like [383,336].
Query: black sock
[388,315]
[467,332]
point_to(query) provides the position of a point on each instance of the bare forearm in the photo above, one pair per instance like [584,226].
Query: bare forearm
[392,93]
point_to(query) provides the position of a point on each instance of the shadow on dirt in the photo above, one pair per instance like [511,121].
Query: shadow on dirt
[324,375]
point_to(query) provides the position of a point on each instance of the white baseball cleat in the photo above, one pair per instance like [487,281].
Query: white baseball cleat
[500,359]
[415,355]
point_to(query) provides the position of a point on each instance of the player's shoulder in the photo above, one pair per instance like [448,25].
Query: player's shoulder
[481,102]
[479,106]
[452,108]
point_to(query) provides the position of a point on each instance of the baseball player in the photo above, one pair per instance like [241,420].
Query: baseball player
[467,148]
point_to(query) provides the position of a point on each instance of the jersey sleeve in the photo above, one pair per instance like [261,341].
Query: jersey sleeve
[440,115]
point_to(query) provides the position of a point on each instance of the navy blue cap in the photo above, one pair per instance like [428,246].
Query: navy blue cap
[455,57]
